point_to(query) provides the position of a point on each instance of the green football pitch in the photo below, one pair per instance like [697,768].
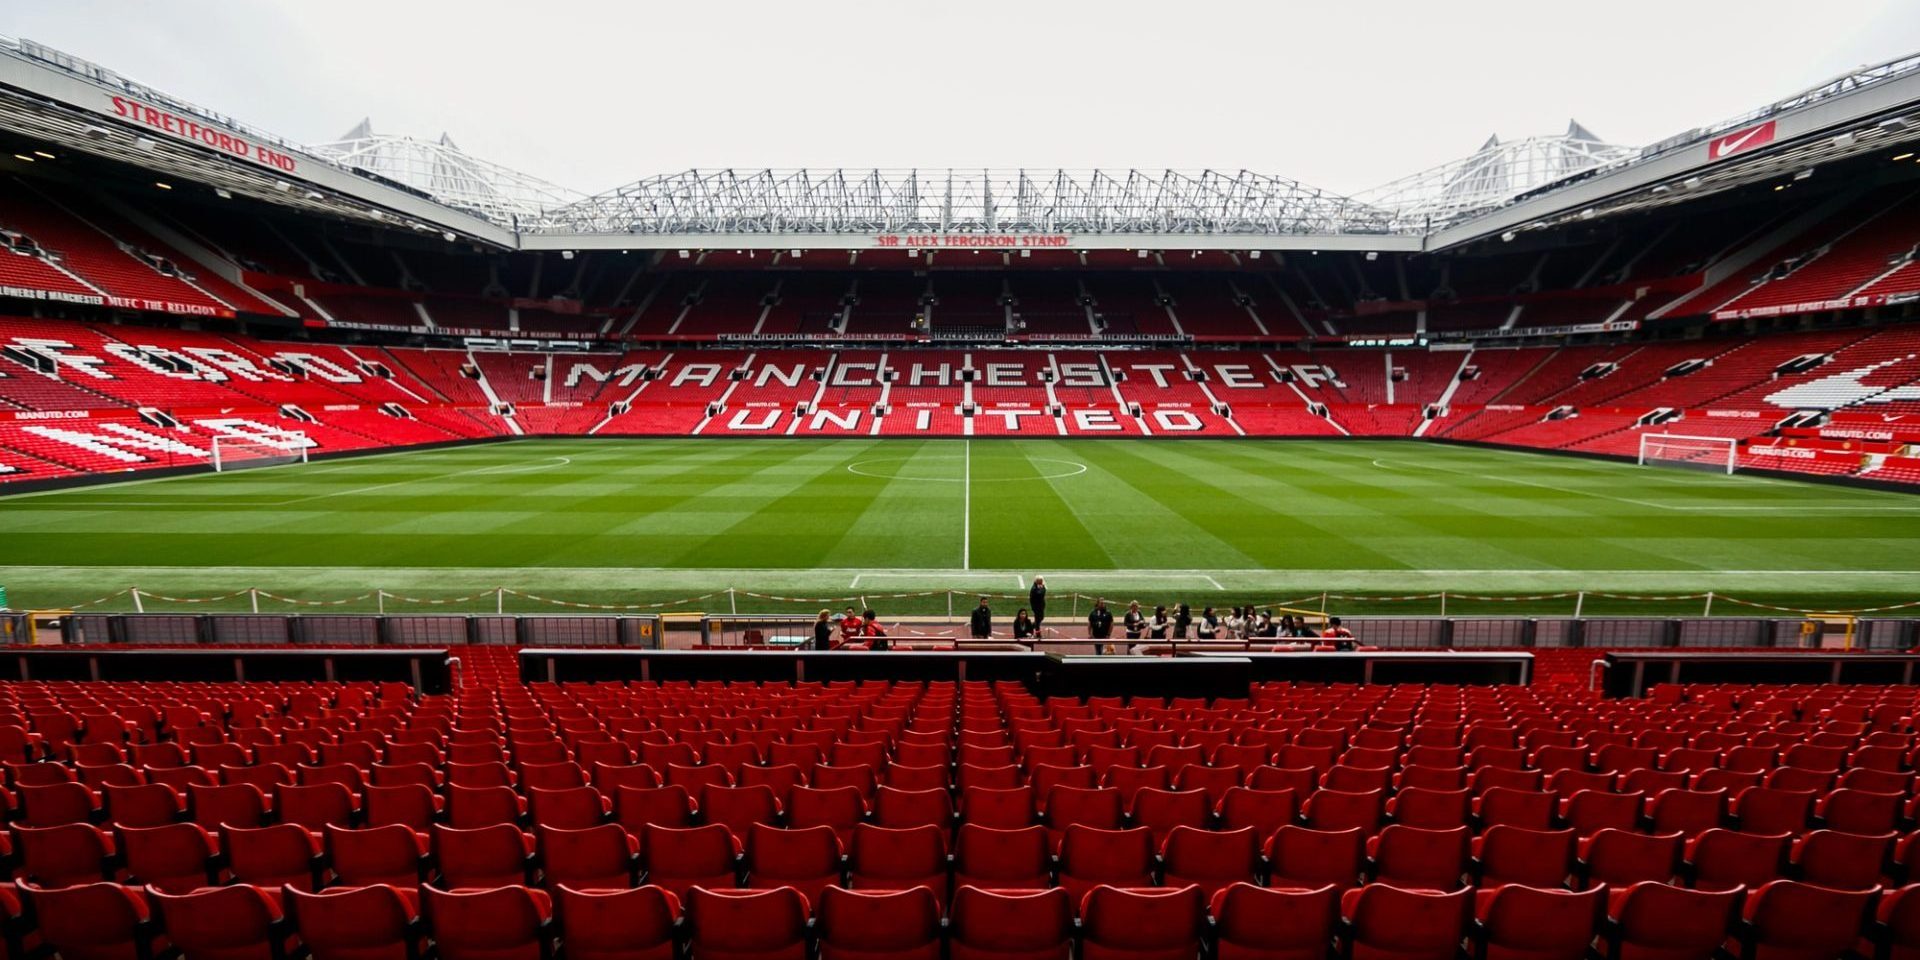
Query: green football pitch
[717,525]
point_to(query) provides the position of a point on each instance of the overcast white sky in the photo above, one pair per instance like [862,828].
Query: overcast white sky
[1342,95]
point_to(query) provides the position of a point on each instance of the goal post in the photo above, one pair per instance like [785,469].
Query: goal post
[1719,454]
[241,453]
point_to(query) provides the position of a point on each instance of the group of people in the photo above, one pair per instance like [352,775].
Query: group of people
[851,628]
[1027,621]
[1165,624]
[1236,623]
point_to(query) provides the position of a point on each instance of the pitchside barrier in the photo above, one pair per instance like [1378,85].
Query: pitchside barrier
[332,630]
[1314,608]
[650,631]
[425,669]
[1633,674]
[1054,675]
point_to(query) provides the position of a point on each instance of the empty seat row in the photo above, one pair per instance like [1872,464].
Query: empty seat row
[1241,922]
[185,856]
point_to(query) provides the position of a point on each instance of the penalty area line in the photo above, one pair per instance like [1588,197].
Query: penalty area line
[917,577]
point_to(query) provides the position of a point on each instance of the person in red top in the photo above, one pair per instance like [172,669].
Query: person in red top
[850,626]
[870,627]
[1337,636]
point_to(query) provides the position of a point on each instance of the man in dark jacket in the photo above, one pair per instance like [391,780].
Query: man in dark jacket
[1100,621]
[1037,599]
[982,620]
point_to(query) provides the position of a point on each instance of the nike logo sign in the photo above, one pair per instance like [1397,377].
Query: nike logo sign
[1740,140]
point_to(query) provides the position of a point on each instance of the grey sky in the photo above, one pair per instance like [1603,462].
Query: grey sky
[1343,95]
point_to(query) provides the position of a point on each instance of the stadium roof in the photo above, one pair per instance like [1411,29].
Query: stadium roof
[432,185]
[1170,202]
[448,174]
[1491,176]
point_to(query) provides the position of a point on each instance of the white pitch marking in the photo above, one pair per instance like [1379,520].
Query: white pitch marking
[916,576]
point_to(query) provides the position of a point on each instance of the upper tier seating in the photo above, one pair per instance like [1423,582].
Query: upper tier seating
[87,249]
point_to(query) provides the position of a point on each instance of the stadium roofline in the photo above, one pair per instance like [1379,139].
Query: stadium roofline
[433,186]
[829,201]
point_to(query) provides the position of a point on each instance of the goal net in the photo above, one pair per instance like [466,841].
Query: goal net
[1719,454]
[242,453]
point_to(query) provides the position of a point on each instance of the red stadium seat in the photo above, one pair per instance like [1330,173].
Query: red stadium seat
[483,857]
[808,859]
[1788,920]
[897,924]
[1526,923]
[354,923]
[748,924]
[392,855]
[678,860]
[1654,921]
[1001,859]
[622,924]
[505,923]
[994,924]
[1729,860]
[281,855]
[176,858]
[1384,922]
[1164,923]
[1253,923]
[881,858]
[1309,859]
[1090,857]
[605,857]
[97,921]
[1209,860]
[239,922]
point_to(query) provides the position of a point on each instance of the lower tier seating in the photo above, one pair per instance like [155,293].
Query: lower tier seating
[99,397]
[631,819]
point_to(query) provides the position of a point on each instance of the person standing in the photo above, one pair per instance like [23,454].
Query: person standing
[1037,600]
[1135,622]
[849,626]
[1100,621]
[1182,622]
[982,622]
[823,631]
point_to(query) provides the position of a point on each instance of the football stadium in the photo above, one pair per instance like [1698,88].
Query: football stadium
[409,557]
